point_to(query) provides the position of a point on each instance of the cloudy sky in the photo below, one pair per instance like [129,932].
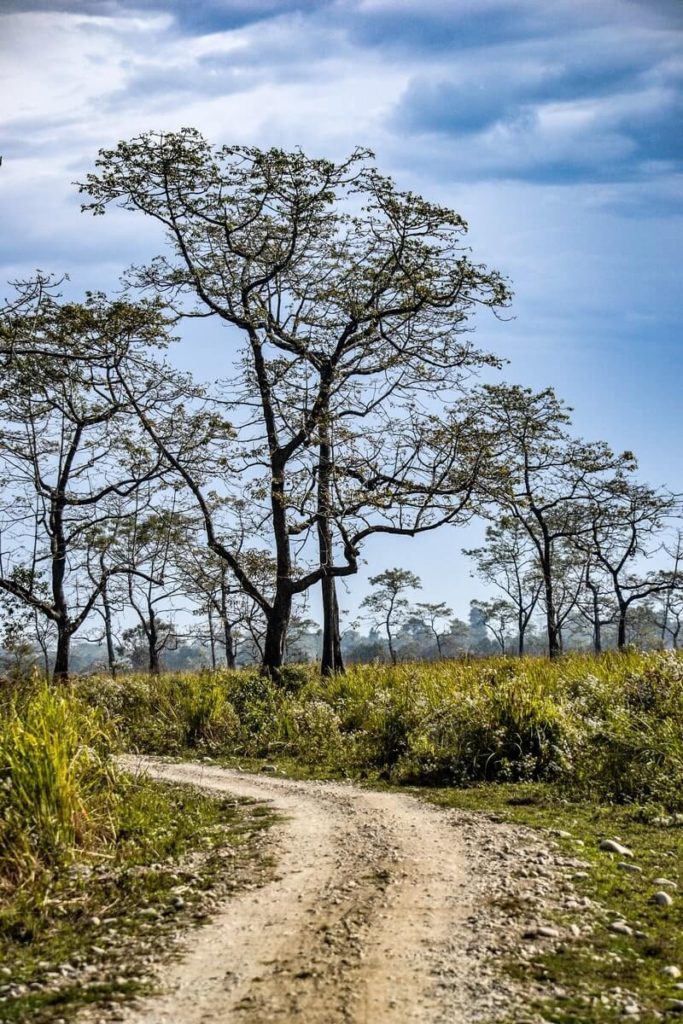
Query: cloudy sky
[555,127]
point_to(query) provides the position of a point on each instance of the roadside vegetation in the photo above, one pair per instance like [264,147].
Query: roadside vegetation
[588,748]
[95,865]
[607,728]
[602,975]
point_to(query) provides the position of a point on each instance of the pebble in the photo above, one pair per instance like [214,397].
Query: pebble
[662,899]
[671,971]
[630,867]
[665,883]
[548,933]
[612,846]
[631,1010]
[620,928]
[676,1005]
[269,768]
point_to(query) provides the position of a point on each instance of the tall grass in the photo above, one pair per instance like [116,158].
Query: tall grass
[57,791]
[610,726]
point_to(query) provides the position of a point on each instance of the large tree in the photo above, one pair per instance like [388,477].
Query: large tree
[352,300]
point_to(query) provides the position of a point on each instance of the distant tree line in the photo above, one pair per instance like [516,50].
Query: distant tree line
[133,499]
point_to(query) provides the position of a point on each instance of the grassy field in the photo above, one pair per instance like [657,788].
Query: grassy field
[96,866]
[588,746]
[608,727]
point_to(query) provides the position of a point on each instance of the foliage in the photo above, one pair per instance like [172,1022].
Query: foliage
[606,726]
[58,786]
[84,847]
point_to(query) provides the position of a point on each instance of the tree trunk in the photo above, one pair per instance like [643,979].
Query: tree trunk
[229,642]
[390,639]
[153,644]
[212,638]
[60,672]
[228,638]
[521,630]
[331,658]
[597,622]
[554,639]
[621,627]
[108,631]
[276,632]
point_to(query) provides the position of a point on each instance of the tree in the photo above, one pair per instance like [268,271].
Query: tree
[669,603]
[145,642]
[433,614]
[509,561]
[599,609]
[626,520]
[387,605]
[497,615]
[70,453]
[541,476]
[352,298]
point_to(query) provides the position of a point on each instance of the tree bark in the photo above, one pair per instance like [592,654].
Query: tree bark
[60,672]
[153,643]
[331,660]
[108,631]
[212,638]
[228,638]
[554,642]
[276,632]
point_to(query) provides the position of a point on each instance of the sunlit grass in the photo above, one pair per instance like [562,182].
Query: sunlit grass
[608,726]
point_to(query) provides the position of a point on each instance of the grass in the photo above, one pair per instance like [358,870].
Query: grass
[590,746]
[607,727]
[96,867]
[589,969]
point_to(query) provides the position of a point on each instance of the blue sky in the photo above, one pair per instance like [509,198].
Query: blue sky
[554,128]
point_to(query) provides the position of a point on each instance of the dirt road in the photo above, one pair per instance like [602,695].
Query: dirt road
[383,910]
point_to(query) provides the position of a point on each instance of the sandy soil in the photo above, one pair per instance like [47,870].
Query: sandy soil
[383,910]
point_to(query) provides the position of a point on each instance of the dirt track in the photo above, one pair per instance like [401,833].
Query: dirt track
[382,911]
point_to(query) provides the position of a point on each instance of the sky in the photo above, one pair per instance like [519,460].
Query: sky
[555,127]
